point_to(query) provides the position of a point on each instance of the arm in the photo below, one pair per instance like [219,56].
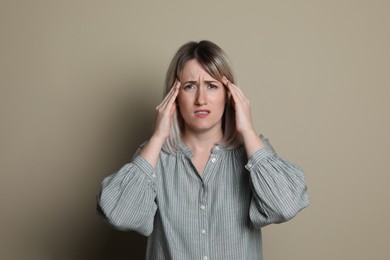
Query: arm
[164,113]
[127,198]
[278,186]
[244,125]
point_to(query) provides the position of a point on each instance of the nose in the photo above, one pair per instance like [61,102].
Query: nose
[201,97]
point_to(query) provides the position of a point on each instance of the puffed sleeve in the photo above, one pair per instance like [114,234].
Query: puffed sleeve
[127,198]
[278,186]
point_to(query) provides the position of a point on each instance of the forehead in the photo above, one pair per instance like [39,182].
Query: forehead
[193,71]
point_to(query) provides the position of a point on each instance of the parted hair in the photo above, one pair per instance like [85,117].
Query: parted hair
[215,62]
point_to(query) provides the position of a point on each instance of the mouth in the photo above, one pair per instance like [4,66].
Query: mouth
[202,113]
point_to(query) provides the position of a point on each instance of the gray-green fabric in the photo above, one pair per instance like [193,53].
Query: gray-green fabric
[214,216]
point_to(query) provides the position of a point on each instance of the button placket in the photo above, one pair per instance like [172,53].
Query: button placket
[203,221]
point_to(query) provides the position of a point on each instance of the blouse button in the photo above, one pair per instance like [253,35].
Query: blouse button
[213,159]
[203,231]
[202,207]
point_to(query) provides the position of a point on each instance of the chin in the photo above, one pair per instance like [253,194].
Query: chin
[204,127]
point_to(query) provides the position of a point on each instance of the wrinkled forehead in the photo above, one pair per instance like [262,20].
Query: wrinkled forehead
[193,71]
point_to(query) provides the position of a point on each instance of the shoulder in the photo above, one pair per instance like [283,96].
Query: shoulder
[234,154]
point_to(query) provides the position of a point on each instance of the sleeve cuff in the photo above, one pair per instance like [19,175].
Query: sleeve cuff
[145,167]
[259,155]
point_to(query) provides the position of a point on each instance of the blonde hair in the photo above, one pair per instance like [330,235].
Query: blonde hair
[215,62]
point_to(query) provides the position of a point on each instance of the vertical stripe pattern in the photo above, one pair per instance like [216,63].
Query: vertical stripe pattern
[214,216]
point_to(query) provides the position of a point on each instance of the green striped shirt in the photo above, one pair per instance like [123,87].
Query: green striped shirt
[214,216]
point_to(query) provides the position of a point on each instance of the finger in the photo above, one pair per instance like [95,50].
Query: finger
[173,110]
[168,95]
[172,90]
[230,84]
[172,96]
[226,83]
[234,88]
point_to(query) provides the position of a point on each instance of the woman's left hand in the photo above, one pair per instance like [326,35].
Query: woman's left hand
[243,118]
[241,106]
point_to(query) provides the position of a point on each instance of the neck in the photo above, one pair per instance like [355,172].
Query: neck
[202,142]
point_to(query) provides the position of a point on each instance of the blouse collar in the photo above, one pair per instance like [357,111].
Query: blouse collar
[186,151]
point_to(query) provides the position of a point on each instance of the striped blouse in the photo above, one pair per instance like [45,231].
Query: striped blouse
[214,216]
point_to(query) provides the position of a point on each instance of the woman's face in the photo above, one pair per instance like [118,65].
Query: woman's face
[201,99]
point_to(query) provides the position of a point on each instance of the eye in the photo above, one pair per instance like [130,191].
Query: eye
[189,87]
[213,86]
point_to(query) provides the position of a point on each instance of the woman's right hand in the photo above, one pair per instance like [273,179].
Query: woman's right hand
[164,113]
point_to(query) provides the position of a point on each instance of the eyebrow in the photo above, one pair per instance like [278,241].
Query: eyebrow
[207,81]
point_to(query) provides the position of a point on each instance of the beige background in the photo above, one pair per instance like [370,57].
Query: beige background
[80,80]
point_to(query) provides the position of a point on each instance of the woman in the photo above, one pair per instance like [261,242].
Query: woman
[205,182]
